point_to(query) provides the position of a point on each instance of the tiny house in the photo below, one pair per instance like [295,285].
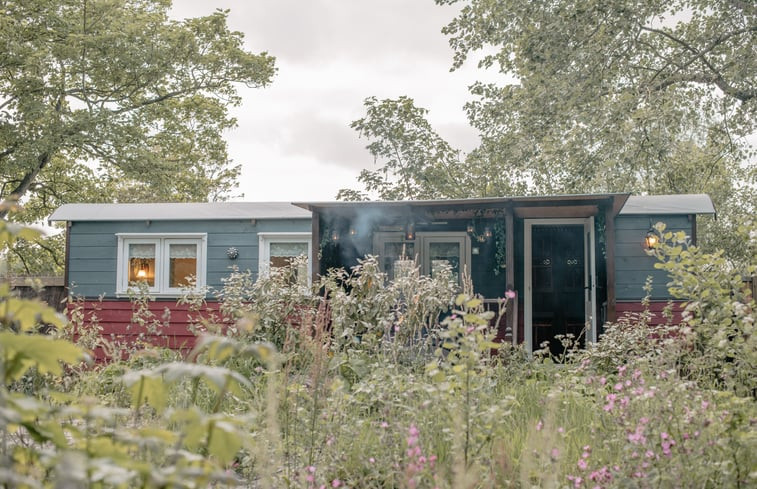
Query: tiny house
[574,261]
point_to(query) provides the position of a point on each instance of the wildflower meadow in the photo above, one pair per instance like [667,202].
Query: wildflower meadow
[359,382]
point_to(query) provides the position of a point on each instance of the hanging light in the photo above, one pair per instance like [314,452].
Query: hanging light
[353,231]
[334,235]
[473,233]
[143,268]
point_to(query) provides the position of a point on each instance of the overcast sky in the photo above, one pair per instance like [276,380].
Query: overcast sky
[294,141]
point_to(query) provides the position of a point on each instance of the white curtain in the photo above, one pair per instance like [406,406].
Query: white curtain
[142,250]
[182,251]
[288,249]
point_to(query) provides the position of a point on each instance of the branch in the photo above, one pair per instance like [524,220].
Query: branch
[29,177]
[716,78]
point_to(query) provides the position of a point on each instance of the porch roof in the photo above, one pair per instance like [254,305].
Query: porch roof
[483,203]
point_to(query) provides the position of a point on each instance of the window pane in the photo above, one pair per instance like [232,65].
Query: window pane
[142,263]
[445,253]
[284,254]
[182,263]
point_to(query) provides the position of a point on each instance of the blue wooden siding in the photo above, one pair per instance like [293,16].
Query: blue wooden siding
[632,264]
[93,248]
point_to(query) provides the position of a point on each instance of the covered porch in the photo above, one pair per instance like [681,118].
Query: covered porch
[555,252]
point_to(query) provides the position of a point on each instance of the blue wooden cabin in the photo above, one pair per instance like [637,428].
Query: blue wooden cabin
[575,261]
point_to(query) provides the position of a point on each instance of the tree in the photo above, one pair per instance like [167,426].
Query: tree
[110,95]
[612,96]
[418,163]
[110,100]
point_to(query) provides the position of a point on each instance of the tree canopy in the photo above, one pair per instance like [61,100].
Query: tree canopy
[599,96]
[111,100]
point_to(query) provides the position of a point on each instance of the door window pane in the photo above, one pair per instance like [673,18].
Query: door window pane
[441,253]
[398,259]
[182,263]
[142,263]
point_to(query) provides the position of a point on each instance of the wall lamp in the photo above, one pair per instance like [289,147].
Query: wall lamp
[410,231]
[651,240]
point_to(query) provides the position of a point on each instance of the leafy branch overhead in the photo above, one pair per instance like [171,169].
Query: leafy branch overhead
[115,95]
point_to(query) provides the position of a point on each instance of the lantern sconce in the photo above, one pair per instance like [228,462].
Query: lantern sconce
[334,235]
[651,240]
[353,232]
[232,253]
[410,231]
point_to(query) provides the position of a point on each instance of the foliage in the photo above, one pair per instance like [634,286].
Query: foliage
[719,311]
[593,96]
[417,162]
[112,100]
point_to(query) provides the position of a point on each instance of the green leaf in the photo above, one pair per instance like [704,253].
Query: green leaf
[225,441]
[23,351]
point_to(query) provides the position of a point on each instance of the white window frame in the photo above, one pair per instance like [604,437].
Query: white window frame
[162,262]
[461,238]
[264,249]
[421,244]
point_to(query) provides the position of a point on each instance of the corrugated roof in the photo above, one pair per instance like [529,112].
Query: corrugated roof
[179,211]
[668,204]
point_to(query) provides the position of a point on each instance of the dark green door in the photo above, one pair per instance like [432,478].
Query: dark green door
[557,271]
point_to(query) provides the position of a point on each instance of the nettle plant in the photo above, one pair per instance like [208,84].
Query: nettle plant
[369,312]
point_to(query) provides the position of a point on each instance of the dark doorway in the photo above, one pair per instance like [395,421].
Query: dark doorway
[558,280]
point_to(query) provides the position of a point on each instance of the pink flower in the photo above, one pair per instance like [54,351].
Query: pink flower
[539,425]
[336,483]
[618,386]
[582,464]
[384,424]
[372,460]
[555,453]
[510,294]
[602,381]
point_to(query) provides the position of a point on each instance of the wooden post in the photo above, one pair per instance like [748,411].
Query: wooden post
[510,317]
[315,237]
[610,262]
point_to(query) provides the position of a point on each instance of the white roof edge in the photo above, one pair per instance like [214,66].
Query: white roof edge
[195,211]
[668,204]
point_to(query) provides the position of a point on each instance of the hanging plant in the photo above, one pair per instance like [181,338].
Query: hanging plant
[500,246]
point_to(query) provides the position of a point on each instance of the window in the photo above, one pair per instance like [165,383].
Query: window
[445,249]
[431,250]
[162,261]
[277,250]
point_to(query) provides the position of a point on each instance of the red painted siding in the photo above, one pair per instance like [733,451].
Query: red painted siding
[117,322]
[655,307]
